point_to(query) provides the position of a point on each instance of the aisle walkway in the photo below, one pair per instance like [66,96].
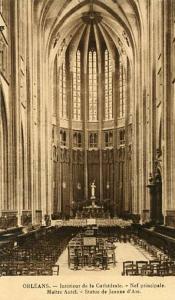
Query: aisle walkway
[123,252]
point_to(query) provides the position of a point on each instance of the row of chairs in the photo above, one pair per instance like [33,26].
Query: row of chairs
[100,255]
[34,256]
[149,268]
[26,270]
[8,222]
[151,249]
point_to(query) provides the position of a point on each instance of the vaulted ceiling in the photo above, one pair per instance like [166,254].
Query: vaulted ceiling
[65,23]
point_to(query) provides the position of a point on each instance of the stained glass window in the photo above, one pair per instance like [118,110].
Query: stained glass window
[62,91]
[108,87]
[122,89]
[92,86]
[77,87]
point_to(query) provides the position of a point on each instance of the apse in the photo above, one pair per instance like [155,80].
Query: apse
[91,110]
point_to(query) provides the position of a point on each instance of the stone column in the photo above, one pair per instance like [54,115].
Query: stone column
[100,133]
[43,146]
[169,115]
[69,101]
[16,113]
[126,159]
[59,206]
[172,20]
[115,140]
[85,104]
[31,132]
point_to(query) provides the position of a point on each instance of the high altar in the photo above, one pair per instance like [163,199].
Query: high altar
[93,210]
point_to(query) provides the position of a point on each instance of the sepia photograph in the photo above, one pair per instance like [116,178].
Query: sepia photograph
[87,149]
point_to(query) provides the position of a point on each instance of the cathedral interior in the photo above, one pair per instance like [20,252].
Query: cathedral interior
[87,135]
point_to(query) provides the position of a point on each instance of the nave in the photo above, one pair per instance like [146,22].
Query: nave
[67,251]
[87,112]
[87,102]
[123,252]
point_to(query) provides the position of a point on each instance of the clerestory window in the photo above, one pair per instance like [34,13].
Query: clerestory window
[108,87]
[77,87]
[92,66]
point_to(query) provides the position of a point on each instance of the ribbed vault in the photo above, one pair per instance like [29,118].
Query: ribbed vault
[63,25]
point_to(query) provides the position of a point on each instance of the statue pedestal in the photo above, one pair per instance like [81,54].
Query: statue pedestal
[93,210]
[93,201]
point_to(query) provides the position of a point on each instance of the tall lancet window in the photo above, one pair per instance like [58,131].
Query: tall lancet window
[92,86]
[77,87]
[62,91]
[122,88]
[108,87]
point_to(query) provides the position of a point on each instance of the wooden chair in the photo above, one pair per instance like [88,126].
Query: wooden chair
[55,270]
[24,271]
[141,264]
[155,264]
[131,270]
[104,262]
[71,262]
[33,272]
[111,257]
[126,264]
[163,269]
[171,267]
[4,272]
[146,270]
[47,272]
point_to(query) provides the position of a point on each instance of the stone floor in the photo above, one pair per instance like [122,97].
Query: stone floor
[123,252]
